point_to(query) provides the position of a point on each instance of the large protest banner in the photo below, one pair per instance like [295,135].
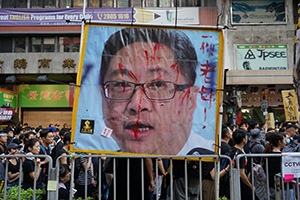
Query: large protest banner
[148,91]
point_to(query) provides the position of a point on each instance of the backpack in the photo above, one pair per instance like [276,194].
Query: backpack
[259,173]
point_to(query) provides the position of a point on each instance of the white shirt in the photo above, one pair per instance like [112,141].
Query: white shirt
[194,141]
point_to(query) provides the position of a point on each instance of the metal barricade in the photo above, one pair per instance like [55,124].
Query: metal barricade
[115,158]
[50,193]
[267,192]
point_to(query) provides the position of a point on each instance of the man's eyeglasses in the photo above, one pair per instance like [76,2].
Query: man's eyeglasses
[157,90]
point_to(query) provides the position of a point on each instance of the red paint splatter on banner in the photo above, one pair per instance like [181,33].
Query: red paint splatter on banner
[120,68]
[147,56]
[204,114]
[137,121]
[156,48]
[204,127]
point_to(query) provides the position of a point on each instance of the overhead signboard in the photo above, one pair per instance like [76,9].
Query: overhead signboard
[258,12]
[262,57]
[53,17]
[8,99]
[148,91]
[44,96]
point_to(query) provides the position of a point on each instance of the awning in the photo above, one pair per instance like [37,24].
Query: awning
[257,77]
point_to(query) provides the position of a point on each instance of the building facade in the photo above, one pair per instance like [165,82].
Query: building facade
[258,55]
[39,48]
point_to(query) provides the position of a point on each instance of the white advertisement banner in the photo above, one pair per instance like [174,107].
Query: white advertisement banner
[262,57]
[291,164]
[167,15]
[258,12]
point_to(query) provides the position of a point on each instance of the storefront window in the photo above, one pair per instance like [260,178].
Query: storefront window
[65,3]
[36,4]
[76,44]
[94,3]
[64,44]
[151,3]
[14,3]
[122,3]
[36,44]
[6,44]
[165,3]
[107,3]
[78,3]
[20,44]
[136,3]
[49,44]
[49,3]
[8,3]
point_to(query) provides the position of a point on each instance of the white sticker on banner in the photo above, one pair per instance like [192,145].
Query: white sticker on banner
[106,132]
[291,164]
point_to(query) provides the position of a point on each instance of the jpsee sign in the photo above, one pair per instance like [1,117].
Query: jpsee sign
[262,57]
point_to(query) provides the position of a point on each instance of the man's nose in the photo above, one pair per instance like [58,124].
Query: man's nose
[139,102]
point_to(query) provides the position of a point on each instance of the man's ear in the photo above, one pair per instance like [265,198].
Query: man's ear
[194,91]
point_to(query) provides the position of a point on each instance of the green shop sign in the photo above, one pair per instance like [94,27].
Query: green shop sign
[8,98]
[44,96]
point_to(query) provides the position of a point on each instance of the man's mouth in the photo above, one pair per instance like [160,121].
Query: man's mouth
[138,130]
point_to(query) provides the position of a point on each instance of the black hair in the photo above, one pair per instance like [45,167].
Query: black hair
[67,138]
[63,131]
[63,170]
[253,124]
[17,130]
[30,143]
[274,139]
[224,131]
[239,135]
[28,134]
[179,43]
[242,123]
[44,133]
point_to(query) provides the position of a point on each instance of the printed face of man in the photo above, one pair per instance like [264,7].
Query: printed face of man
[141,125]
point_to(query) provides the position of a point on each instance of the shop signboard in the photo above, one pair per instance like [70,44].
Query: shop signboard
[262,57]
[258,12]
[6,115]
[8,99]
[44,96]
[58,17]
[290,105]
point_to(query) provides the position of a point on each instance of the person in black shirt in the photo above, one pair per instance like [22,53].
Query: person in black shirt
[64,176]
[226,136]
[13,165]
[32,147]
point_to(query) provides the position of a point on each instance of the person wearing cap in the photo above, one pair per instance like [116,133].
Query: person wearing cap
[47,138]
[56,126]
[13,165]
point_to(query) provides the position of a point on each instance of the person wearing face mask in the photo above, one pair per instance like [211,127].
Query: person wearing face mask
[291,144]
[13,165]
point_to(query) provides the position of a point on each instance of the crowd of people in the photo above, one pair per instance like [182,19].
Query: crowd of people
[250,138]
[51,141]
[55,142]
